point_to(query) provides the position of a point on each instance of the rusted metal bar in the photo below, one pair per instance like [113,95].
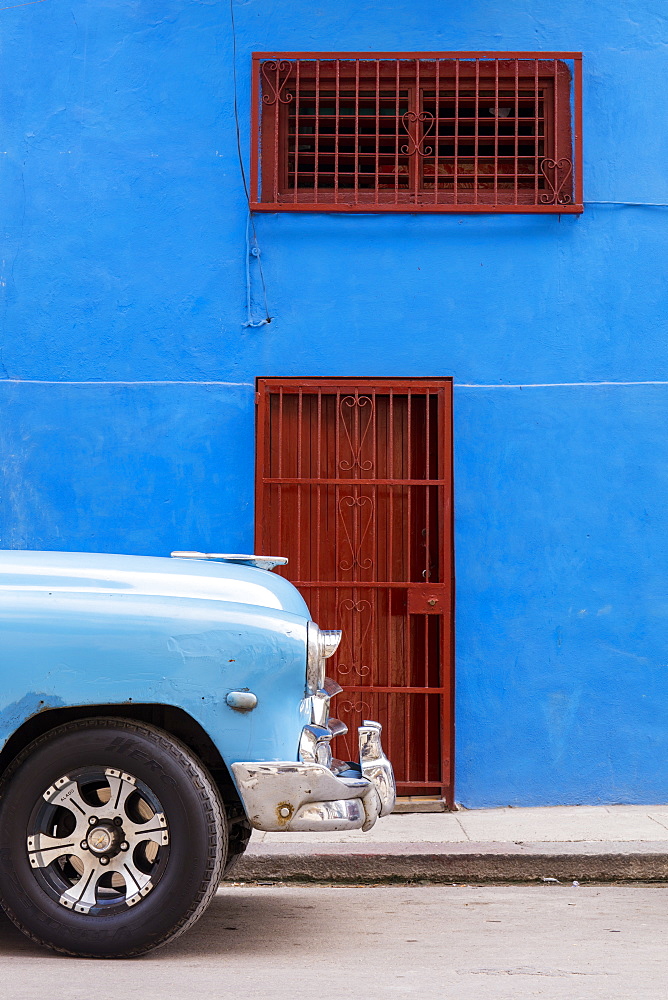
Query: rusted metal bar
[516,128]
[255,129]
[397,119]
[356,163]
[377,135]
[496,132]
[536,131]
[577,95]
[337,111]
[297,129]
[286,480]
[316,163]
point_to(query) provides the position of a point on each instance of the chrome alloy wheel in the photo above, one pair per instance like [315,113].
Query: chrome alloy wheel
[98,840]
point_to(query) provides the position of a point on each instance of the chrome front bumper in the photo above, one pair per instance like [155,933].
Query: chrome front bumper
[293,796]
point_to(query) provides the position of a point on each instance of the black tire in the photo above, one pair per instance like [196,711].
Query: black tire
[186,874]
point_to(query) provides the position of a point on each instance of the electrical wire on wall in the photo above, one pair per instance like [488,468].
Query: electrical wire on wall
[252,246]
[31,3]
[631,204]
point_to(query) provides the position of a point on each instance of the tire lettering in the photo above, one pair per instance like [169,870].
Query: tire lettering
[119,743]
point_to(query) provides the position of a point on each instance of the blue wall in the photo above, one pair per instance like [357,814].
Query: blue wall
[126,373]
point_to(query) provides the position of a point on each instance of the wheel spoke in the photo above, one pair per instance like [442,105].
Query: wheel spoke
[65,792]
[137,883]
[83,894]
[155,830]
[43,849]
[122,786]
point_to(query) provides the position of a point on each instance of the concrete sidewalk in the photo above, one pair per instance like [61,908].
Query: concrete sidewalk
[569,843]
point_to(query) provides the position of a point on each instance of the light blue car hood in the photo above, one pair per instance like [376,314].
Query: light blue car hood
[153,576]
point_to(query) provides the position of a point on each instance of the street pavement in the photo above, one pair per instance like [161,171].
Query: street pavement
[600,843]
[548,941]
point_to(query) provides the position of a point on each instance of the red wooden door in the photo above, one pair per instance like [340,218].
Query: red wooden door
[354,485]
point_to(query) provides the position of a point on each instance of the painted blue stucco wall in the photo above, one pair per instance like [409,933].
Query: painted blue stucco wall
[126,374]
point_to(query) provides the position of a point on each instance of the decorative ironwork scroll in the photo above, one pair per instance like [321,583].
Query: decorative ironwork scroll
[359,402]
[361,608]
[276,68]
[357,706]
[557,173]
[360,530]
[411,120]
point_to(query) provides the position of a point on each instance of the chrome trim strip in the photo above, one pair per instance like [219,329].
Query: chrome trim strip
[260,562]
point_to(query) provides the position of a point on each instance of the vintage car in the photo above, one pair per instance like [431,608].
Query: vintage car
[154,711]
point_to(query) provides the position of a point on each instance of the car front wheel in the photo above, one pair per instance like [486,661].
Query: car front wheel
[113,839]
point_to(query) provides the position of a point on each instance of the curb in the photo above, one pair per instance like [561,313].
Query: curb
[437,866]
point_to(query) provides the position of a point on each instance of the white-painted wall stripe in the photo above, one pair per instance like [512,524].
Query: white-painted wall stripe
[552,385]
[38,381]
[250,385]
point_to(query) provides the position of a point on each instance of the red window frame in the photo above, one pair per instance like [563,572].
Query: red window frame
[417,132]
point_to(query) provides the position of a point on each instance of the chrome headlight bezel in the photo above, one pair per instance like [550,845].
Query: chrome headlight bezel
[320,645]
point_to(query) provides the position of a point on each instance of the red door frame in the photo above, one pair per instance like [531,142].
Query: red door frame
[418,599]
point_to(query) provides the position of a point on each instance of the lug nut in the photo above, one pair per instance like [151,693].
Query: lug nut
[104,861]
[83,845]
[92,820]
[125,846]
[118,821]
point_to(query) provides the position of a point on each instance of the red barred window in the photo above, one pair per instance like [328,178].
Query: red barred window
[437,132]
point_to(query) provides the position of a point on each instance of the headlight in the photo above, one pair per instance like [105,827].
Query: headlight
[321,644]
